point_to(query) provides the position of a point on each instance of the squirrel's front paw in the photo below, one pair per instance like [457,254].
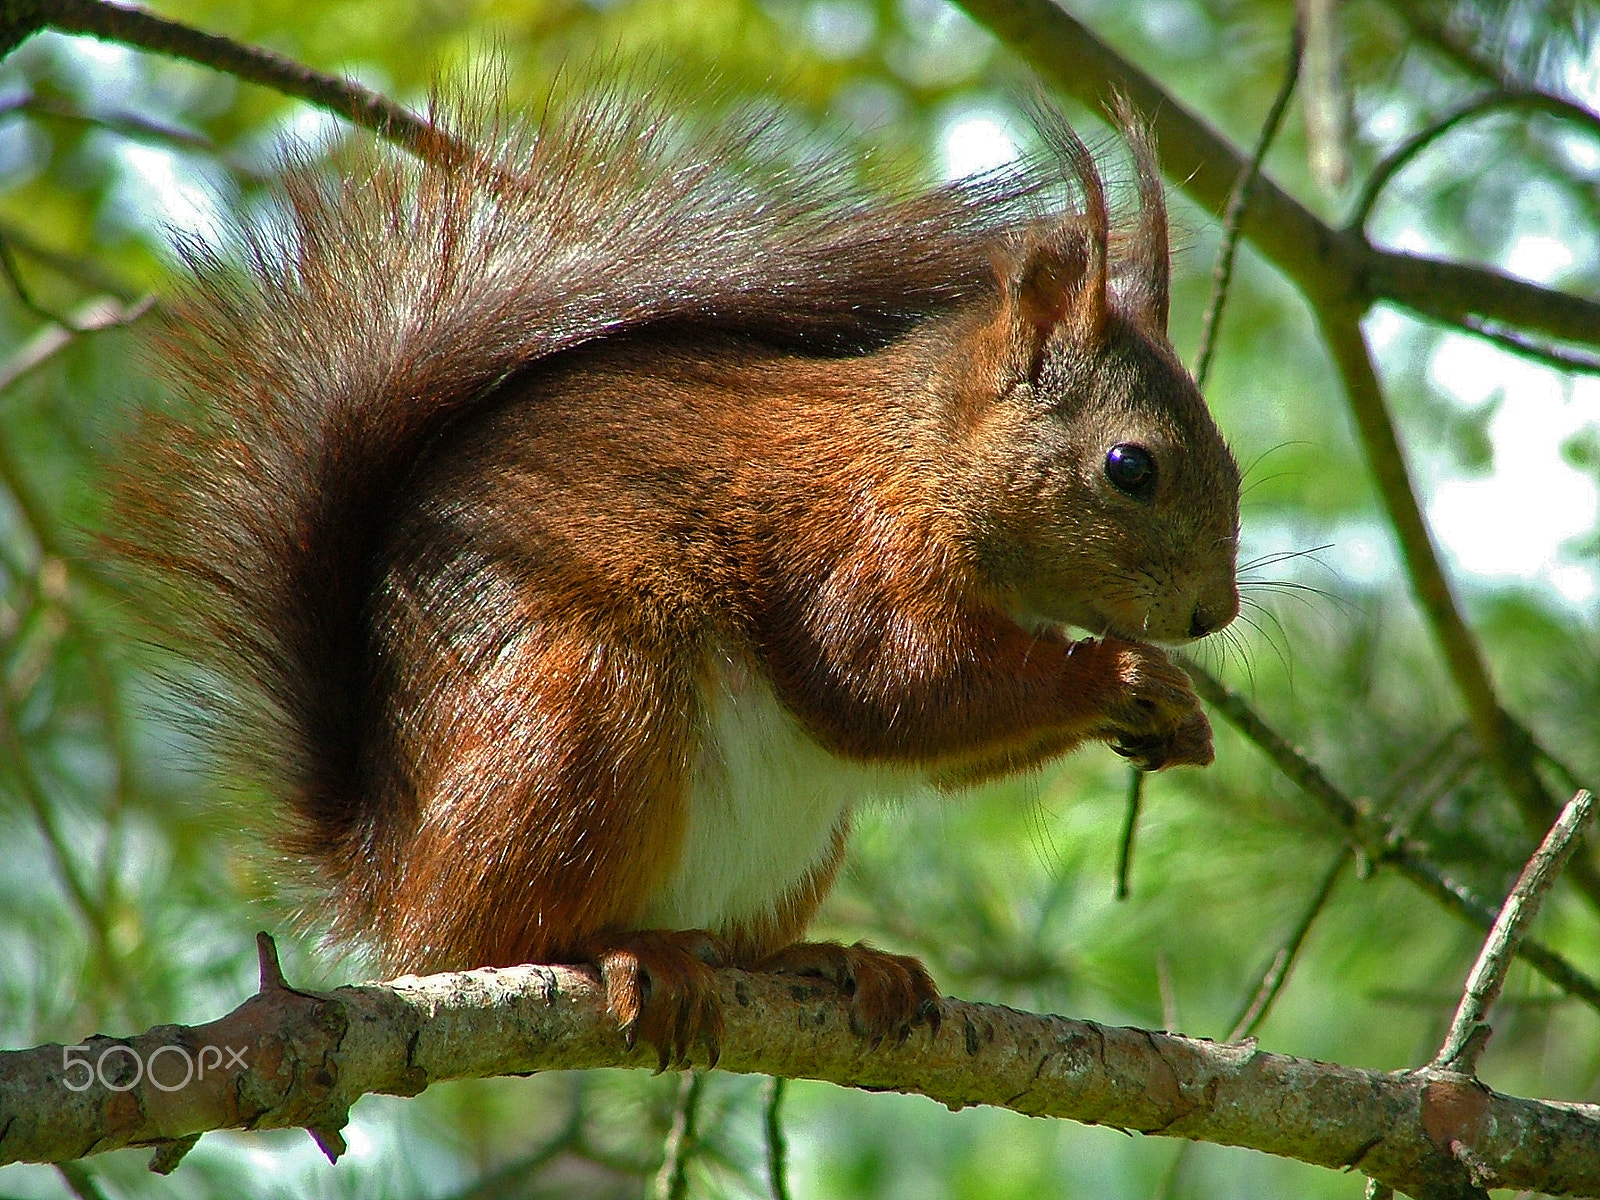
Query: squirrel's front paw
[1157,721]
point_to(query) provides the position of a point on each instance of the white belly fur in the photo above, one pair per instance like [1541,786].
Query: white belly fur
[764,800]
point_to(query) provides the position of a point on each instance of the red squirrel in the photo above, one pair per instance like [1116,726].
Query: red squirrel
[586,523]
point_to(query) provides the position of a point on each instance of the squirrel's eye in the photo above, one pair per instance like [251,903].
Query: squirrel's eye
[1131,469]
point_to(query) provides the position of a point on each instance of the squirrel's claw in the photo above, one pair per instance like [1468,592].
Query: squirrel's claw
[661,989]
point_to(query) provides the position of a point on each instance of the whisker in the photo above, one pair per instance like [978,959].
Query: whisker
[1246,489]
[1275,557]
[1270,640]
[1269,452]
[1231,640]
[1303,592]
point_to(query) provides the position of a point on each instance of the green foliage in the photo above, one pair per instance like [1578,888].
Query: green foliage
[129,896]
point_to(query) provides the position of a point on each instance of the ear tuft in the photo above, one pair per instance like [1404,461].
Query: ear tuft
[1149,252]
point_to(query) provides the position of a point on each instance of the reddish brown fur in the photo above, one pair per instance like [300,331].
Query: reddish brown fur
[472,558]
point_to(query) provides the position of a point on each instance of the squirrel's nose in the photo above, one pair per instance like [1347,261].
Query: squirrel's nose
[1204,621]
[1215,611]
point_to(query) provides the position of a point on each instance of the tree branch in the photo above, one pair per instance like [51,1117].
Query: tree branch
[1324,263]
[1538,102]
[290,1058]
[144,30]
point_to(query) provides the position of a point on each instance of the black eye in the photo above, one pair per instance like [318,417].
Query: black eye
[1131,469]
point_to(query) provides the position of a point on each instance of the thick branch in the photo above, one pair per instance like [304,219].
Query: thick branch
[308,1056]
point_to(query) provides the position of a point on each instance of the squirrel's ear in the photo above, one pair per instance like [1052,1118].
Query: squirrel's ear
[1061,286]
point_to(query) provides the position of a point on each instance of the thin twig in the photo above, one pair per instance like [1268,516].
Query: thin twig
[1469,1031]
[773,1093]
[1255,1012]
[1498,101]
[672,1182]
[1130,826]
[1373,837]
[59,852]
[1524,347]
[51,339]
[135,126]
[1327,98]
[24,295]
[1233,215]
[145,30]
[1170,1018]
[86,272]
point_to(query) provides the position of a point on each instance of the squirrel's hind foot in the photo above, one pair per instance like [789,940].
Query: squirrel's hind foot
[661,988]
[889,994]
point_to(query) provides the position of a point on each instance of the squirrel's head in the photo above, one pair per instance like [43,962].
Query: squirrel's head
[1108,499]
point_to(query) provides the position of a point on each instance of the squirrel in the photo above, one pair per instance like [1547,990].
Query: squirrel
[575,529]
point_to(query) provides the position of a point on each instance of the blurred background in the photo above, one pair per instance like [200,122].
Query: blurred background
[129,895]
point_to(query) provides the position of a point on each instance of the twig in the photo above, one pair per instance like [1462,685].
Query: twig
[1327,103]
[1233,215]
[1498,101]
[1516,343]
[1469,1031]
[1373,837]
[1130,826]
[135,126]
[773,1093]
[25,297]
[1255,1012]
[672,1183]
[137,27]
[84,271]
[59,852]
[51,339]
